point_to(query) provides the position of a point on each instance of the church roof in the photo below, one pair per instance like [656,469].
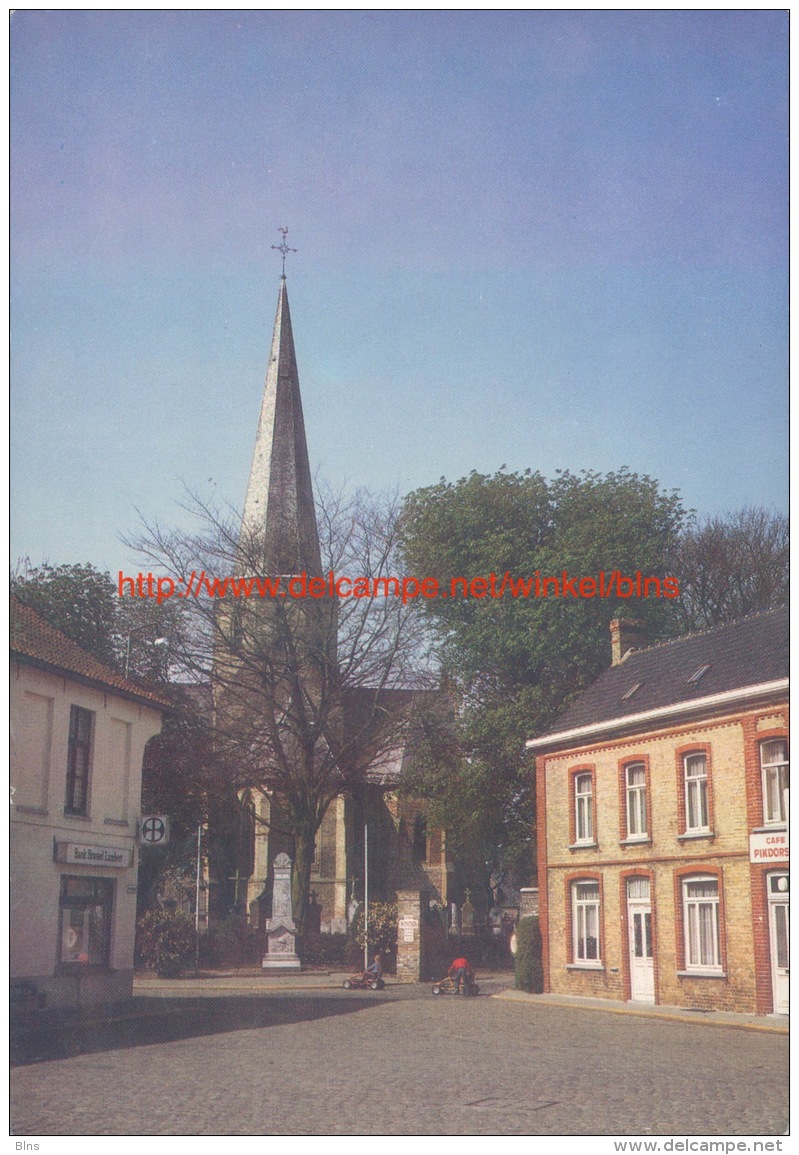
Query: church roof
[279,511]
[32,639]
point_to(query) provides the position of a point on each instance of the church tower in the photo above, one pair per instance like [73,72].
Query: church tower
[287,723]
[279,506]
[286,648]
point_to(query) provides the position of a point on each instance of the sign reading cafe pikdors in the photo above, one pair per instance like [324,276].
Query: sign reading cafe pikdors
[768,846]
[81,854]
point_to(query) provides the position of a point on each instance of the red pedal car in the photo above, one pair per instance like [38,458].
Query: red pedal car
[363,983]
[447,987]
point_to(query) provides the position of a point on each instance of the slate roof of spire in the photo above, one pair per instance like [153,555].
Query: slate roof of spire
[33,640]
[279,504]
[749,652]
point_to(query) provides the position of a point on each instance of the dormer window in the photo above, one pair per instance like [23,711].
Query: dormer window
[632,690]
[698,675]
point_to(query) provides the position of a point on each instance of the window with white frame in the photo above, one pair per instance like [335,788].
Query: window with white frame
[635,780]
[774,765]
[584,807]
[585,922]
[696,792]
[701,918]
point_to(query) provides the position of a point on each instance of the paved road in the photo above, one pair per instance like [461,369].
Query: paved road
[294,1063]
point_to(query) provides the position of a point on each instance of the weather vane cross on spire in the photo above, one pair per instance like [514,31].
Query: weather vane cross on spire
[283,248]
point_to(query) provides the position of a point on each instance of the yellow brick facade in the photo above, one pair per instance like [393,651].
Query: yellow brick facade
[664,858]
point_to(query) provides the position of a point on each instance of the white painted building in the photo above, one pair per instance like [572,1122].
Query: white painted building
[78,732]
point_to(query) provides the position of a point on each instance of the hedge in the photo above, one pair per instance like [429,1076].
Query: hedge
[529,949]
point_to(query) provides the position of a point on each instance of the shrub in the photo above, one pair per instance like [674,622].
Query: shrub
[335,950]
[165,941]
[382,929]
[230,943]
[529,950]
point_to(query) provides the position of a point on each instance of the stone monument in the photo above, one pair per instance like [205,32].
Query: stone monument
[281,931]
[455,919]
[467,915]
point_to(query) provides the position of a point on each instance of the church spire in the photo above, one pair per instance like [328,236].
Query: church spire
[279,503]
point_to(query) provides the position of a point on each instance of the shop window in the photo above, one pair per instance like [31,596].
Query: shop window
[420,838]
[84,932]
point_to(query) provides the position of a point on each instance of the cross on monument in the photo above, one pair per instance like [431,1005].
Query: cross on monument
[283,248]
[237,878]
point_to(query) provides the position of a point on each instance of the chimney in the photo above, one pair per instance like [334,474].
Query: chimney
[626,634]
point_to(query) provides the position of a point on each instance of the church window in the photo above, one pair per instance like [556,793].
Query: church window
[420,838]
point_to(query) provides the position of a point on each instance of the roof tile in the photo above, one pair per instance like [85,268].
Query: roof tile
[748,652]
[32,638]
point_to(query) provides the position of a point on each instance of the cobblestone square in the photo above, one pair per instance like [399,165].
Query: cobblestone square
[401,1062]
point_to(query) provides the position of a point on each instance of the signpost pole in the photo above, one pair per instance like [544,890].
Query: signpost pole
[197,903]
[365,896]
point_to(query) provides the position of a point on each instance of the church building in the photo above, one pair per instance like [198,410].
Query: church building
[279,664]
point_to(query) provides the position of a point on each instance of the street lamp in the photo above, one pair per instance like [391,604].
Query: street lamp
[131,635]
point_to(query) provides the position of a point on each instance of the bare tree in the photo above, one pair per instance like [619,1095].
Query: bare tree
[310,693]
[730,566]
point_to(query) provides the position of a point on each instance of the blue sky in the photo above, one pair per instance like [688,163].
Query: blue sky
[554,240]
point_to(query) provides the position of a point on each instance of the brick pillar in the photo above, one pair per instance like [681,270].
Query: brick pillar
[410,935]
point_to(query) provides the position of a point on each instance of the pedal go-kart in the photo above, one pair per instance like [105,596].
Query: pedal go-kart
[361,983]
[447,987]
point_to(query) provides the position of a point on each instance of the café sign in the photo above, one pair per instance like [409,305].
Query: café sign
[83,854]
[768,846]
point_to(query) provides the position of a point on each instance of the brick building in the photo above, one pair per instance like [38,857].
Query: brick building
[662,799]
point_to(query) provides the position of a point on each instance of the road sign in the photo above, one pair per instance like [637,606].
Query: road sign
[155,830]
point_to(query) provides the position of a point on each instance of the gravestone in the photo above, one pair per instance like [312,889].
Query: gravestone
[467,915]
[455,919]
[281,931]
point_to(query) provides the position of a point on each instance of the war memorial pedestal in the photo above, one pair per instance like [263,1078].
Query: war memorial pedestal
[281,931]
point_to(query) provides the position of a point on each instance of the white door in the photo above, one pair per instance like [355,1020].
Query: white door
[778,898]
[639,921]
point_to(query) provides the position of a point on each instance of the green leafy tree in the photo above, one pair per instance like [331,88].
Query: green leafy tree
[134,636]
[512,663]
[77,599]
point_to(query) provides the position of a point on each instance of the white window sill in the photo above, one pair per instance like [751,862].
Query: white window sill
[584,846]
[692,834]
[585,966]
[701,974]
[636,840]
[768,828]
